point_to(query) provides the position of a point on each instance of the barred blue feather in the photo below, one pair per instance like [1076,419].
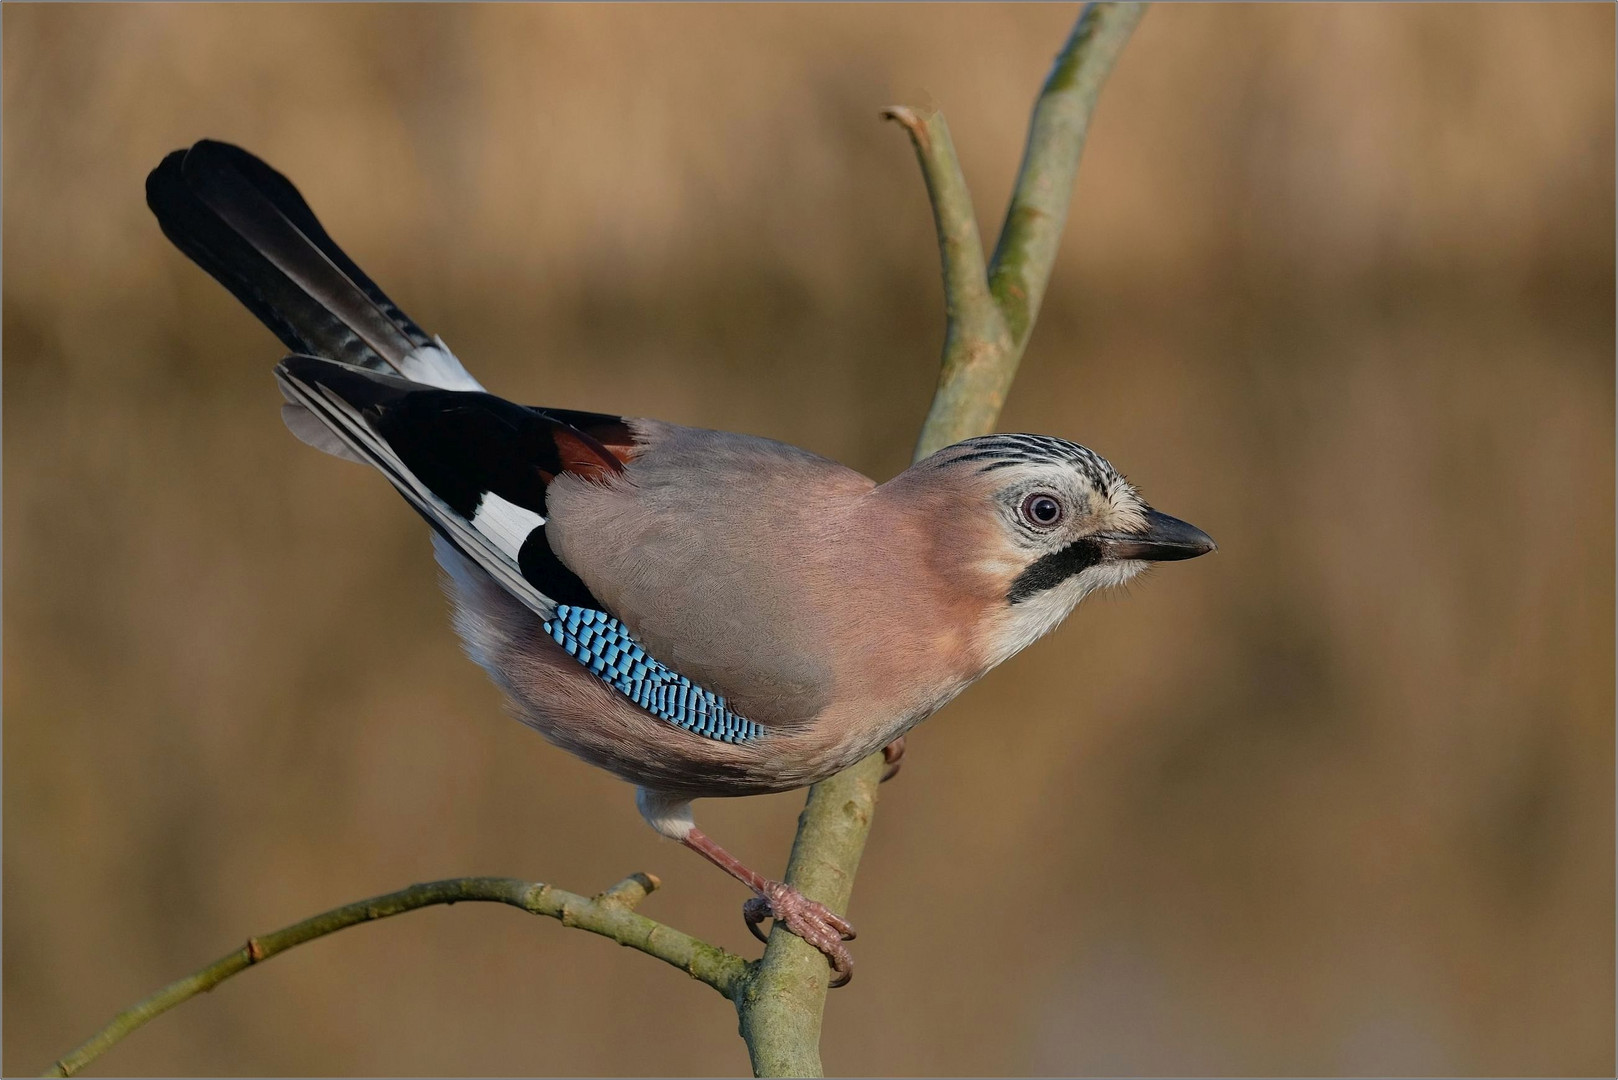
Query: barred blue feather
[602,644]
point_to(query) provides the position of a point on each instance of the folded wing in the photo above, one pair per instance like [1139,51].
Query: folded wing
[475,466]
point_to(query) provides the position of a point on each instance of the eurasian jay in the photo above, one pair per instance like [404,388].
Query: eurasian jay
[701,613]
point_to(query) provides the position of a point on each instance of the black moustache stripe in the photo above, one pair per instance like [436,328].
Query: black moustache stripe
[1051,570]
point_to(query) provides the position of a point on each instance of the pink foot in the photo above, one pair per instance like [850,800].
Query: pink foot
[893,754]
[814,922]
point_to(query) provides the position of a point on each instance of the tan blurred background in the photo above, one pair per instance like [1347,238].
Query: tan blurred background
[1338,287]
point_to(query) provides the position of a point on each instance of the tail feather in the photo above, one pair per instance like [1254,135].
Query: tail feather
[311,430]
[367,384]
[285,199]
[246,225]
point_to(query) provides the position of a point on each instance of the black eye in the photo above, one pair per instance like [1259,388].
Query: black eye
[1041,509]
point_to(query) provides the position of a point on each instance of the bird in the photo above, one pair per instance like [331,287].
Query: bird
[701,613]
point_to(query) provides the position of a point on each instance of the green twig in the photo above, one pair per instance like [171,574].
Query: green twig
[1022,261]
[611,914]
[990,314]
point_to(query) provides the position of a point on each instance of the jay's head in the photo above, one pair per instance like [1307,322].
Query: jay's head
[1061,523]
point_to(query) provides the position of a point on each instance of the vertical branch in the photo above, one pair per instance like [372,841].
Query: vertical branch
[990,313]
[1033,230]
[781,1005]
[985,335]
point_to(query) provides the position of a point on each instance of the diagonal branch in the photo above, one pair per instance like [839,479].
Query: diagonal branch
[990,314]
[966,284]
[1022,261]
[974,378]
[610,914]
[973,383]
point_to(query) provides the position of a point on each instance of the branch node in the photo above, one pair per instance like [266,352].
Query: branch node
[631,891]
[255,950]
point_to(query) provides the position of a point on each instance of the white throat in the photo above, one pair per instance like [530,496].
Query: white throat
[1022,624]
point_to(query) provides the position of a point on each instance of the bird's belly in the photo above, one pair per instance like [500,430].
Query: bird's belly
[578,712]
[565,701]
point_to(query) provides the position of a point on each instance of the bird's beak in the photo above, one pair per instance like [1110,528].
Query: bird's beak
[1164,540]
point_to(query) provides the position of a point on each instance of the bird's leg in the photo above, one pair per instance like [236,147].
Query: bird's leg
[893,754]
[814,922]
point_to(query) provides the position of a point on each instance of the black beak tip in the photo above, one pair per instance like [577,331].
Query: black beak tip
[1166,539]
[1188,545]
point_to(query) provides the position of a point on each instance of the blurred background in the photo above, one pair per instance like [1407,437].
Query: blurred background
[1337,287]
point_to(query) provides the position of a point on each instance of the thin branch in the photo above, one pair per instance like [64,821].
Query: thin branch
[1022,261]
[610,914]
[975,333]
[782,1002]
[966,284]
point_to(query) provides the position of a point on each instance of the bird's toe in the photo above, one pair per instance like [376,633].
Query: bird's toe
[810,920]
[893,755]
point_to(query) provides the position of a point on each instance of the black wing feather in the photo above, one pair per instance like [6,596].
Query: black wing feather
[445,450]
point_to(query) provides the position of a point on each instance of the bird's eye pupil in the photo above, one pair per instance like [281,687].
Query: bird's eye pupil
[1042,509]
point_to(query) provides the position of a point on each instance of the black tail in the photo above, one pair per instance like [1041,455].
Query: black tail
[475,466]
[246,224]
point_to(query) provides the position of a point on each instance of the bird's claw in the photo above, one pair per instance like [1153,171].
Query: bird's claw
[893,754]
[816,923]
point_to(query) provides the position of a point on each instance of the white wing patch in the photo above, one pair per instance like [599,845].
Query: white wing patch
[352,429]
[504,522]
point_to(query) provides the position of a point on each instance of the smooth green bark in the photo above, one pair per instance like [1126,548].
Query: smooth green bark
[782,1002]
[1021,267]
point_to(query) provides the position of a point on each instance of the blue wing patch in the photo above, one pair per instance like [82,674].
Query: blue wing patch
[602,644]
